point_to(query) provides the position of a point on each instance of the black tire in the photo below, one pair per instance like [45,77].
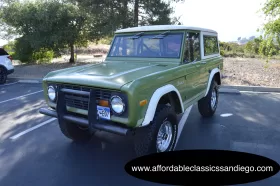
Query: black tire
[146,138]
[204,105]
[3,75]
[75,132]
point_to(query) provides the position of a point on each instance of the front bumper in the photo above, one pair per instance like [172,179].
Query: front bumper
[91,121]
[10,71]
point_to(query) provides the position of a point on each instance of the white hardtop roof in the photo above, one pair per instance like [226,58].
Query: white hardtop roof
[162,27]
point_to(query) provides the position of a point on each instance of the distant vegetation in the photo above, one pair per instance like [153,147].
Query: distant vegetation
[250,48]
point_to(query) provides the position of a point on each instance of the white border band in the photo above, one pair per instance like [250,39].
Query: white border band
[154,102]
[213,72]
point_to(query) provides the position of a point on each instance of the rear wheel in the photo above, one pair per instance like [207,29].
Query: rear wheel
[160,135]
[75,132]
[207,106]
[3,75]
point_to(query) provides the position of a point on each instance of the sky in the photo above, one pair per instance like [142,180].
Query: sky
[230,18]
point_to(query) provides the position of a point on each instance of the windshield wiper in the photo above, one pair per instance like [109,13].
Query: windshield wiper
[160,36]
[136,36]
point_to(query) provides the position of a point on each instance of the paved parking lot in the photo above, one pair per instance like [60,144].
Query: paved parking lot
[34,152]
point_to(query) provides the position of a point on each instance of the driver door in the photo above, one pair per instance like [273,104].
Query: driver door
[192,66]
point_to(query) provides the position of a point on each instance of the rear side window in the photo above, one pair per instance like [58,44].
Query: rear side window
[210,45]
[3,52]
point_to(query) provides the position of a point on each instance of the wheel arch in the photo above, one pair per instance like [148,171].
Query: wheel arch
[2,66]
[214,74]
[164,95]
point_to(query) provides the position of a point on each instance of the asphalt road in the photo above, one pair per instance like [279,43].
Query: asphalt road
[34,152]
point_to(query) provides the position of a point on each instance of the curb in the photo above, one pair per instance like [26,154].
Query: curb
[242,88]
[26,80]
[29,81]
[224,90]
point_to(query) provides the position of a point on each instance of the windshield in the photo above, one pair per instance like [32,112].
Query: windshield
[166,45]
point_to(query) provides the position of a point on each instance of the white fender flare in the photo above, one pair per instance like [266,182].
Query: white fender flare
[213,72]
[149,116]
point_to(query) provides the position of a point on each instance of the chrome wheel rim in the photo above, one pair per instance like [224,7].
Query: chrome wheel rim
[164,136]
[213,99]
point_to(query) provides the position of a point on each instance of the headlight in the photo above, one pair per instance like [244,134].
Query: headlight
[117,104]
[51,93]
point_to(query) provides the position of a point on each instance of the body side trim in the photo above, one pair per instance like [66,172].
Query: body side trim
[155,99]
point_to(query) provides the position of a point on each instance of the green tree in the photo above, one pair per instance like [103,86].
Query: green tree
[155,12]
[47,25]
[56,24]
[116,14]
[267,48]
[257,42]
[271,29]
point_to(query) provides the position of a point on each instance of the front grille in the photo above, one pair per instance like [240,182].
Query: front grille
[82,102]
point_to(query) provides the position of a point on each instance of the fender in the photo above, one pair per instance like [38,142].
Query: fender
[154,102]
[213,72]
[4,67]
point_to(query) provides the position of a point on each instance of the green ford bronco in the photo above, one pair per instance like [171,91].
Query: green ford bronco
[151,76]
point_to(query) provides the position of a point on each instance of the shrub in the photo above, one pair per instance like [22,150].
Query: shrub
[25,53]
[222,52]
[234,54]
[43,55]
[23,50]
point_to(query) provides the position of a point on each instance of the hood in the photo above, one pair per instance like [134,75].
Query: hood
[112,75]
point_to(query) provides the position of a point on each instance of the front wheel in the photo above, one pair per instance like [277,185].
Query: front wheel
[207,106]
[160,135]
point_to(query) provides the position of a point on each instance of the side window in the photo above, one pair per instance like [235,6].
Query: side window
[3,52]
[210,45]
[192,48]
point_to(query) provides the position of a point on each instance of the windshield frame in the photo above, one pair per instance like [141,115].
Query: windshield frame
[154,33]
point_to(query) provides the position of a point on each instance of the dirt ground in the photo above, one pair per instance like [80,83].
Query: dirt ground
[237,71]
[251,72]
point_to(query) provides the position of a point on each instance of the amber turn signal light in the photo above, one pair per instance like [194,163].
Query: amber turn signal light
[143,102]
[104,103]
